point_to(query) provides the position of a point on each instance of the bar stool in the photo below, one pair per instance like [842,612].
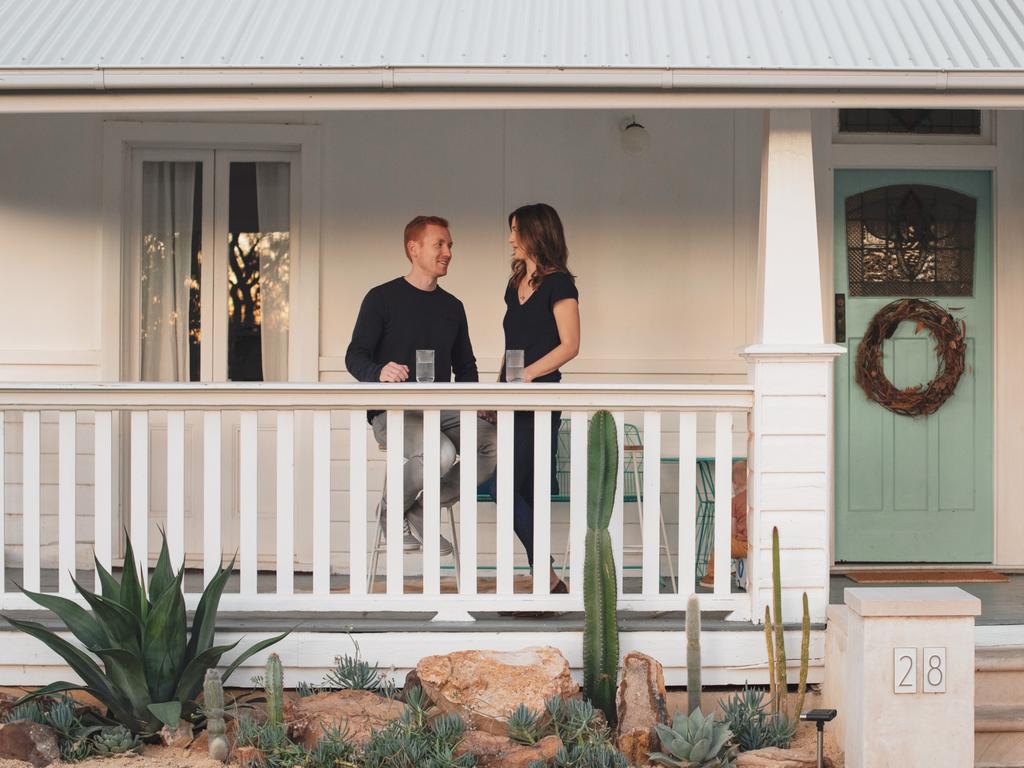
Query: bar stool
[380,543]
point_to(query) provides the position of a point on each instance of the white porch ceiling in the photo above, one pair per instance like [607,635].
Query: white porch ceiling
[969,36]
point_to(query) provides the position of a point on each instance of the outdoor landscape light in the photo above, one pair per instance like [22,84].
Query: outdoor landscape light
[635,138]
[819,717]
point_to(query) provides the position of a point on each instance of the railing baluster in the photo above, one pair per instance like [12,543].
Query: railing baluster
[248,483]
[504,544]
[30,500]
[66,426]
[467,502]
[577,499]
[102,493]
[285,502]
[395,505]
[687,502]
[431,501]
[615,527]
[140,491]
[321,502]
[651,540]
[723,502]
[211,495]
[3,494]
[357,502]
[176,487]
[541,502]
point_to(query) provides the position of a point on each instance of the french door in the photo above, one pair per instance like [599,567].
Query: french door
[209,295]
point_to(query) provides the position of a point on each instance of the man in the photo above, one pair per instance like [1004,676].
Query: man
[396,319]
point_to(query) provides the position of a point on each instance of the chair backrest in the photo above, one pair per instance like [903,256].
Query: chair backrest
[633,471]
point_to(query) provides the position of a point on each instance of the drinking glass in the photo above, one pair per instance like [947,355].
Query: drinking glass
[514,366]
[425,365]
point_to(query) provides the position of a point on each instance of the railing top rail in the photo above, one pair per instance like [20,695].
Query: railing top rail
[462,396]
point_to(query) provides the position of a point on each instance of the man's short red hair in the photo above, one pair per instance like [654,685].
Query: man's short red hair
[414,229]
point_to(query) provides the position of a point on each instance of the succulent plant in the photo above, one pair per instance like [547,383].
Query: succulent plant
[273,684]
[115,740]
[153,667]
[213,706]
[753,726]
[600,586]
[693,663]
[524,725]
[695,741]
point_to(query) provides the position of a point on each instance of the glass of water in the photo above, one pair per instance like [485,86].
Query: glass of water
[424,365]
[514,366]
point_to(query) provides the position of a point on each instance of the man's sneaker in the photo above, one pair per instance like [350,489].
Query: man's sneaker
[414,518]
[409,541]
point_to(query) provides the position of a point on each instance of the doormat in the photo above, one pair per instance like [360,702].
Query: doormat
[926,576]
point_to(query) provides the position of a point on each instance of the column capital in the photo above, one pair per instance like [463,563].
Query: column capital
[801,353]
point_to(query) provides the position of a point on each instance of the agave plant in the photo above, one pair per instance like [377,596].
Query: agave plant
[695,742]
[152,664]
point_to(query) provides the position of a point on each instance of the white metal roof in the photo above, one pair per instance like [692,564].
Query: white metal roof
[229,36]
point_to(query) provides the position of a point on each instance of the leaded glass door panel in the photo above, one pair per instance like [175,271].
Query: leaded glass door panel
[914,489]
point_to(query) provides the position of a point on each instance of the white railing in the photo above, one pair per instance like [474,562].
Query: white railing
[676,421]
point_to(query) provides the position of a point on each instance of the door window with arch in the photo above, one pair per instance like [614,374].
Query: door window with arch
[910,240]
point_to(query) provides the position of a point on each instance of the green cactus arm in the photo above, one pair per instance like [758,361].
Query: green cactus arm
[274,684]
[770,647]
[693,660]
[602,469]
[780,639]
[805,654]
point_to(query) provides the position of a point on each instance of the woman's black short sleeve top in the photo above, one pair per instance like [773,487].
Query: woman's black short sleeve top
[531,326]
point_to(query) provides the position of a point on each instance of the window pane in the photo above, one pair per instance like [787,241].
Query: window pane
[910,240]
[918,121]
[258,271]
[170,266]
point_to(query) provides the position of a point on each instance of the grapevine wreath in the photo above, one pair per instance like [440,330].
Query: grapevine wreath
[950,337]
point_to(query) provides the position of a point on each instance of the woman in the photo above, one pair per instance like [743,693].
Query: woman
[542,318]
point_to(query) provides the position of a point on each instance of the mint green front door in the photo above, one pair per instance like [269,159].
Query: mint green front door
[914,489]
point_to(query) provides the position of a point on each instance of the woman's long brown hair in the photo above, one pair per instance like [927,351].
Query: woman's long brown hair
[541,235]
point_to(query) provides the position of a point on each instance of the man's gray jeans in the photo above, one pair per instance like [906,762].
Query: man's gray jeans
[412,485]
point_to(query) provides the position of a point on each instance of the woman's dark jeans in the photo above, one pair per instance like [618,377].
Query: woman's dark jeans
[522,476]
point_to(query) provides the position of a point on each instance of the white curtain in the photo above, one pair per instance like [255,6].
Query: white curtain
[168,190]
[273,202]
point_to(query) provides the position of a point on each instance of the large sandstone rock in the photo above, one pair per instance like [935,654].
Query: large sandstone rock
[773,757]
[640,704]
[483,687]
[493,751]
[361,712]
[29,741]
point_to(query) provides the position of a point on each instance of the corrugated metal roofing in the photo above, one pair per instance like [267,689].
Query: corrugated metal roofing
[955,35]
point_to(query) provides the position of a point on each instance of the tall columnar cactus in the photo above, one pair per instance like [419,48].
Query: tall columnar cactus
[601,631]
[777,647]
[693,664]
[274,686]
[213,704]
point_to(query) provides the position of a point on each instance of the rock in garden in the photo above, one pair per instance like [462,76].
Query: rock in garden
[250,757]
[483,687]
[773,757]
[412,680]
[29,741]
[640,704]
[522,756]
[360,712]
[487,747]
[179,737]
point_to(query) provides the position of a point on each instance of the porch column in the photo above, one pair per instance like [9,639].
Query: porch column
[791,369]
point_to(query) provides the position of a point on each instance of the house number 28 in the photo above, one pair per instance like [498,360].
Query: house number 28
[932,670]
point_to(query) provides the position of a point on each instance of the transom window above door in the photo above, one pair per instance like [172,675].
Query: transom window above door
[910,240]
[956,122]
[212,272]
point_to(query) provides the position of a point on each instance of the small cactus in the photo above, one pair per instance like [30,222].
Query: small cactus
[116,740]
[600,588]
[693,663]
[213,703]
[776,646]
[274,686]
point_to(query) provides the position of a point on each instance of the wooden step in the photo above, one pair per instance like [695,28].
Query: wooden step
[999,718]
[999,676]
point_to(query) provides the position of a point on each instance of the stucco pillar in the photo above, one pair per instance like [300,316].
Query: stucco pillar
[900,672]
[790,484]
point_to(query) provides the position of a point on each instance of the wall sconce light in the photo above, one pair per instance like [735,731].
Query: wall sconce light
[634,137]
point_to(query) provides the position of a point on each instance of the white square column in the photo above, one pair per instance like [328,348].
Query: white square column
[790,483]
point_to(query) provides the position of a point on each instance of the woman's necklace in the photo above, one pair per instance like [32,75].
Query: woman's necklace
[525,290]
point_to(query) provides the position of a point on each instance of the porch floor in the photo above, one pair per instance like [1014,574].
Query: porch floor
[1001,603]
